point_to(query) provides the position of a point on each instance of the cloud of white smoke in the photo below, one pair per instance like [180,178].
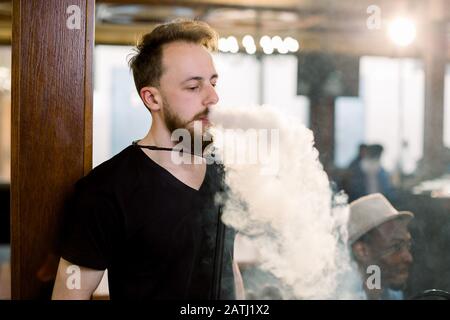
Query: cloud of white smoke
[291,215]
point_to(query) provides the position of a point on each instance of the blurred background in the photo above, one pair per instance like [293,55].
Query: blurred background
[370,78]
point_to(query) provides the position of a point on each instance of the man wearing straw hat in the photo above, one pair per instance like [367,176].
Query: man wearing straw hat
[381,243]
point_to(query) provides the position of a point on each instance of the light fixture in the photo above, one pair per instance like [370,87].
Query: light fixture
[250,49]
[291,44]
[283,49]
[233,45]
[402,31]
[223,45]
[265,41]
[248,41]
[277,42]
[268,44]
[249,44]
[268,49]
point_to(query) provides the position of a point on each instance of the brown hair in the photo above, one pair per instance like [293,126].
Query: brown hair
[146,63]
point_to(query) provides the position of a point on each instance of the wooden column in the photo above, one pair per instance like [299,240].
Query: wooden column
[51,130]
[435,52]
[322,118]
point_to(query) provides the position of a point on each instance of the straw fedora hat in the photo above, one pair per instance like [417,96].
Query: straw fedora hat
[369,212]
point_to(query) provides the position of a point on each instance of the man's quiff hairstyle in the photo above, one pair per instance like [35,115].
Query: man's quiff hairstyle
[146,63]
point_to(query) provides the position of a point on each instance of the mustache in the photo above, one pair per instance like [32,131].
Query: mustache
[201,114]
[404,269]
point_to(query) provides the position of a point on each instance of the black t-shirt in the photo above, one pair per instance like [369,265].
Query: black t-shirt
[154,234]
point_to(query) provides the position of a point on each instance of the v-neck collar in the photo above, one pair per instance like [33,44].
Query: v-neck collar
[170,176]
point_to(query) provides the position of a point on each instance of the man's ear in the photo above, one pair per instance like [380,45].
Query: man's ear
[361,251]
[151,98]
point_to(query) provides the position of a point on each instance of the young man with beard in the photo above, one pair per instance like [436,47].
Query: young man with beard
[150,220]
[381,245]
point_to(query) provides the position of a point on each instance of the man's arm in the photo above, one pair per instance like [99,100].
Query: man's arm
[75,282]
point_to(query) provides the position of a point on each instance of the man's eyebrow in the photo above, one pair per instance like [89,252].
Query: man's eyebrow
[198,78]
[399,239]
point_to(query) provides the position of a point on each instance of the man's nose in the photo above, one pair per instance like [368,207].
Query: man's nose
[407,256]
[211,97]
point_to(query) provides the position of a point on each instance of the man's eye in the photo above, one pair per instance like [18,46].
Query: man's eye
[193,88]
[401,245]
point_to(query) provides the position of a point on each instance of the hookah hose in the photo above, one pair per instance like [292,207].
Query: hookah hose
[218,257]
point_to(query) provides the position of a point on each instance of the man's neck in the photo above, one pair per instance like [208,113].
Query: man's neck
[160,136]
[373,294]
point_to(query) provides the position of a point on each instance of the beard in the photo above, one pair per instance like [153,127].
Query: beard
[174,122]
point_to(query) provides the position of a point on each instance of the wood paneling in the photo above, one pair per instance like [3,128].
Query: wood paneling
[433,131]
[279,4]
[322,120]
[51,131]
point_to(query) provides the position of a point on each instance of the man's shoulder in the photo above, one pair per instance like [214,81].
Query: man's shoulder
[116,171]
